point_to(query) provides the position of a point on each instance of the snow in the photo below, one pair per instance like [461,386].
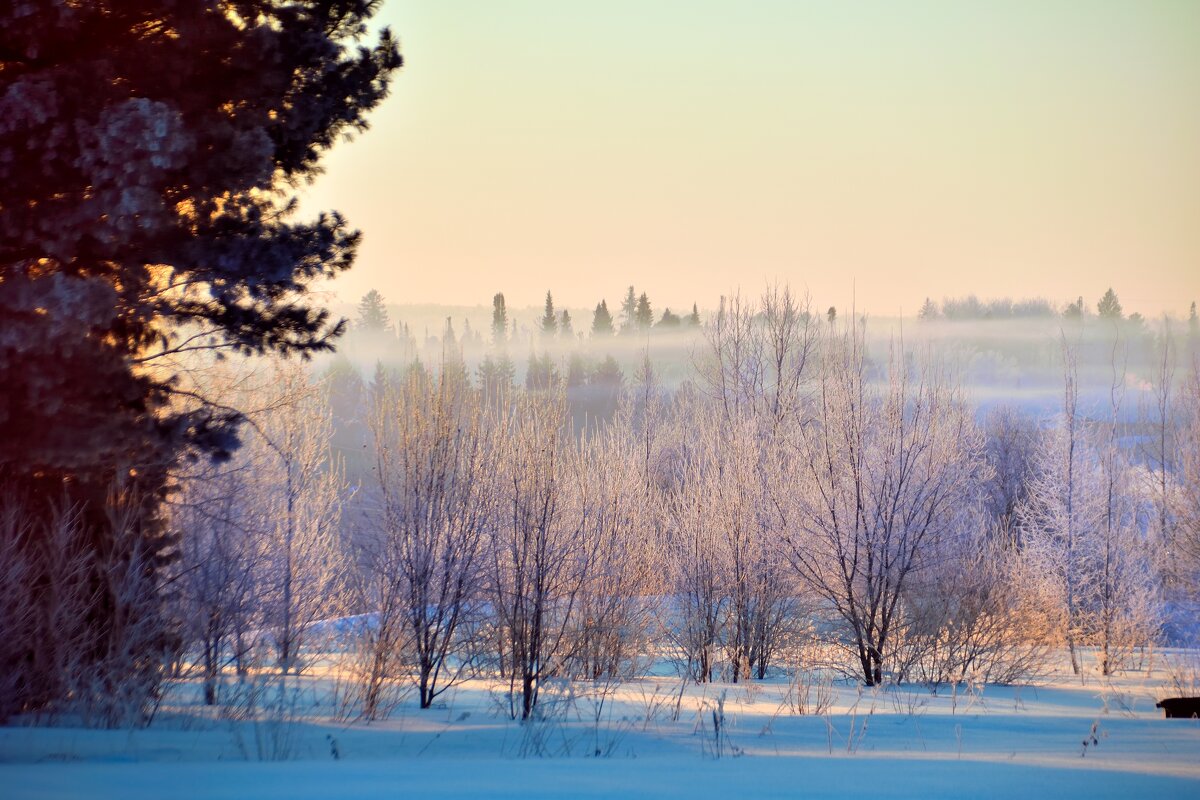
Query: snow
[899,742]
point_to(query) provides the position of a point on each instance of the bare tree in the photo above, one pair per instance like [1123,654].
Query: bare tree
[883,474]
[1185,499]
[299,490]
[758,356]
[1011,437]
[539,559]
[436,505]
[219,551]
[613,611]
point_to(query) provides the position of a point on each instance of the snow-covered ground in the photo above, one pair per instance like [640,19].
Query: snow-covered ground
[640,739]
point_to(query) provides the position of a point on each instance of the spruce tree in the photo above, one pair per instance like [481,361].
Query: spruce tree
[1109,306]
[549,319]
[565,330]
[643,316]
[499,320]
[693,319]
[602,321]
[629,311]
[372,314]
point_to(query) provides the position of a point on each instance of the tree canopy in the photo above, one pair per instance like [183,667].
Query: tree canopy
[147,153]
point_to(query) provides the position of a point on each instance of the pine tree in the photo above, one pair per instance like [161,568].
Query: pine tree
[629,311]
[643,316]
[540,374]
[549,319]
[372,314]
[693,319]
[929,310]
[499,320]
[147,150]
[602,321]
[1109,306]
[669,320]
[565,330]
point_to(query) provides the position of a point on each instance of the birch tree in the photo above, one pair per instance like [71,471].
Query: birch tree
[883,474]
[436,505]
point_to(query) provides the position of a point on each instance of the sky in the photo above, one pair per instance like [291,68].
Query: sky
[872,153]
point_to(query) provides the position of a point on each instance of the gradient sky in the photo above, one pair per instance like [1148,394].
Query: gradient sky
[882,150]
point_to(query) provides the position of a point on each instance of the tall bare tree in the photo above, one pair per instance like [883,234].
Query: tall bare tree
[882,474]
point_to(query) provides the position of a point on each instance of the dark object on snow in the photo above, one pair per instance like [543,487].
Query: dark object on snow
[1180,707]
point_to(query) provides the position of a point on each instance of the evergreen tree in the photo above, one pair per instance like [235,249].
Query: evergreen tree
[549,319]
[540,374]
[1109,306]
[1074,310]
[496,374]
[929,310]
[577,371]
[643,316]
[146,153]
[629,311]
[602,321]
[606,383]
[372,314]
[669,320]
[693,319]
[565,330]
[499,320]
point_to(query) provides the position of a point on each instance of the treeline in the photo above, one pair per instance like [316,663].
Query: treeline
[971,307]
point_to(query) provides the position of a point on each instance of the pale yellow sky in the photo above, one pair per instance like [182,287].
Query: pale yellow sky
[890,149]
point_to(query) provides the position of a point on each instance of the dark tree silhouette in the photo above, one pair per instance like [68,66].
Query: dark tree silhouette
[602,321]
[549,319]
[499,320]
[644,315]
[629,311]
[146,152]
[1109,306]
[372,314]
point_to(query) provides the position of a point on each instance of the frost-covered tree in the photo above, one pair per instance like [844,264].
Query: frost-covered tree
[539,560]
[432,511]
[300,490]
[884,474]
[1063,509]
